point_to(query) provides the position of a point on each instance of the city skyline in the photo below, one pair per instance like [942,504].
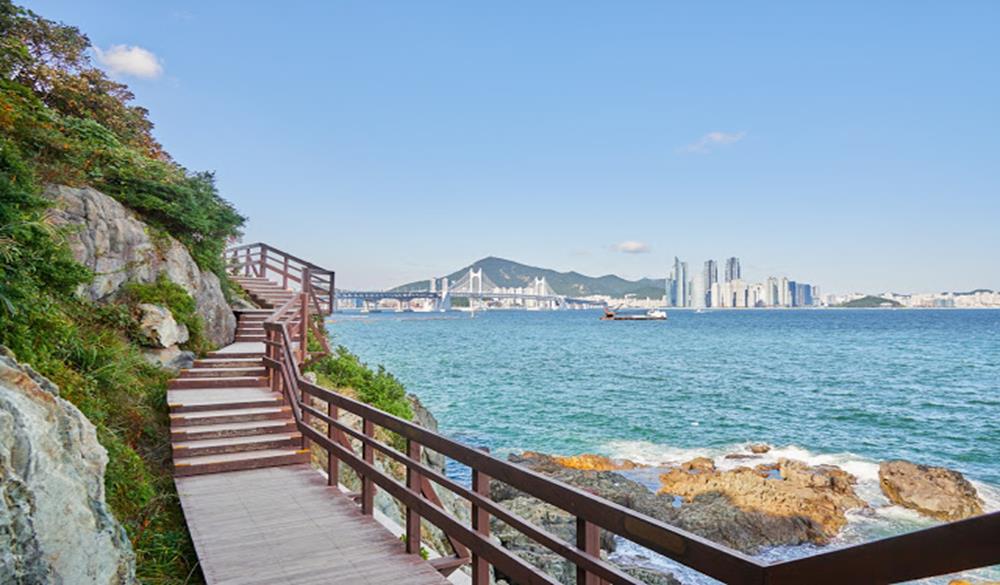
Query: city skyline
[420,136]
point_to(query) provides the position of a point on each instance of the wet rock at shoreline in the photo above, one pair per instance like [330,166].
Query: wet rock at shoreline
[759,448]
[711,499]
[805,503]
[937,492]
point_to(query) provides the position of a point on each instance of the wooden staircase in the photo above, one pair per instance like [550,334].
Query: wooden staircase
[223,415]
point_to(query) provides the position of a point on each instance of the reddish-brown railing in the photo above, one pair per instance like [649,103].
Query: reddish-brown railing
[289,271]
[940,550]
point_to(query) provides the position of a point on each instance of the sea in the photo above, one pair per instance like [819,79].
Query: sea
[849,387]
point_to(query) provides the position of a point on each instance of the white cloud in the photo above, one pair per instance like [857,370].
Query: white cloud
[708,142]
[129,60]
[632,247]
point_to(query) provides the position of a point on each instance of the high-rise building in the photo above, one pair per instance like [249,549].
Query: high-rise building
[710,277]
[772,296]
[784,296]
[733,271]
[681,295]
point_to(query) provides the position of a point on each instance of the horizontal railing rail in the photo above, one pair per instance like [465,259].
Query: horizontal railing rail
[264,261]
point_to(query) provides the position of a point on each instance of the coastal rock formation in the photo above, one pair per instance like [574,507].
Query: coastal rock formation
[119,248]
[55,526]
[937,492]
[158,327]
[714,514]
[812,501]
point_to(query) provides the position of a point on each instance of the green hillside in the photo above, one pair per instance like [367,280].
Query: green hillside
[508,273]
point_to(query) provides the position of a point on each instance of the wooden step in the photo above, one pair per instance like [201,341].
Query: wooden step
[244,382]
[181,401]
[230,363]
[239,461]
[219,431]
[254,372]
[238,355]
[185,449]
[250,337]
[234,415]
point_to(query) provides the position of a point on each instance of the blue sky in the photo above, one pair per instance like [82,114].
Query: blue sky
[855,145]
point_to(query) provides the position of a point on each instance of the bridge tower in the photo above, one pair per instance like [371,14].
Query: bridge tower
[444,301]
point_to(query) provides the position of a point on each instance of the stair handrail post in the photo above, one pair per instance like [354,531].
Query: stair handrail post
[263,261]
[481,524]
[332,297]
[246,262]
[304,317]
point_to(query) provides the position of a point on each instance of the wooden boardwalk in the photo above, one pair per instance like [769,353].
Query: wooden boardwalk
[258,513]
[284,525]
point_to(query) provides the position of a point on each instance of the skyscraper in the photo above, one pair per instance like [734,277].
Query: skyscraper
[710,276]
[681,289]
[733,271]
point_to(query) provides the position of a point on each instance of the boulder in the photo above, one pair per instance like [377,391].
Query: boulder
[735,508]
[937,492]
[119,248]
[55,526]
[170,358]
[759,448]
[811,501]
[158,327]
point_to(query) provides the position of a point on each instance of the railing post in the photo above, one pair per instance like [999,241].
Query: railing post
[246,262]
[333,297]
[588,539]
[263,261]
[284,274]
[413,483]
[332,463]
[481,524]
[367,485]
[304,318]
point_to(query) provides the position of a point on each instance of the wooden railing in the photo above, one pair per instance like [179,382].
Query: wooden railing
[940,550]
[289,271]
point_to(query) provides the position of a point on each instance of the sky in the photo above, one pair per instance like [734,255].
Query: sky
[854,145]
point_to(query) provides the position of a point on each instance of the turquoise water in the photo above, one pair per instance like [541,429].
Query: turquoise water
[849,387]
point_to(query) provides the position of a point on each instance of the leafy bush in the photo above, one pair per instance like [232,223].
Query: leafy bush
[377,387]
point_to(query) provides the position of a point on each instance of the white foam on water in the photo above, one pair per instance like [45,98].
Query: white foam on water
[885,519]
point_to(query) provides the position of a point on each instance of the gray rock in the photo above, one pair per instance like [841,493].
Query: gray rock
[158,327]
[170,358]
[113,242]
[936,492]
[55,526]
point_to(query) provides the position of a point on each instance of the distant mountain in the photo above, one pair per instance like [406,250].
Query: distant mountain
[507,273]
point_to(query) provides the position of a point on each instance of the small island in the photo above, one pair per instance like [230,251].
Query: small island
[870,302]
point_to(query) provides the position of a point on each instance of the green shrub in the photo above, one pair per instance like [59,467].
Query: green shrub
[377,387]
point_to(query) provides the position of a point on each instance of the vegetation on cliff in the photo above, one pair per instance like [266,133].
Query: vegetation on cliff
[63,121]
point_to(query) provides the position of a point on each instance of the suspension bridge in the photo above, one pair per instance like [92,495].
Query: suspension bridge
[475,286]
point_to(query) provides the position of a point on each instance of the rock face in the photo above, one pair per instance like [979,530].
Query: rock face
[937,492]
[112,241]
[54,524]
[715,514]
[811,501]
[159,328]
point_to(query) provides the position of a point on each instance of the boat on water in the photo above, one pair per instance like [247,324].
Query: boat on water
[650,315]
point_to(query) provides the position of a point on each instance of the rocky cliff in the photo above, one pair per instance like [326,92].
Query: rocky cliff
[55,526]
[119,248]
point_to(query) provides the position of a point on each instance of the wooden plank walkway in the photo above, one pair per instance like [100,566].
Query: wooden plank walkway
[284,525]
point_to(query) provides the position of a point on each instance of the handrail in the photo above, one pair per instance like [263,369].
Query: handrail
[934,551]
[259,259]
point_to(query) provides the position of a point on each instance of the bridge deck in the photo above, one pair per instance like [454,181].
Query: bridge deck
[283,525]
